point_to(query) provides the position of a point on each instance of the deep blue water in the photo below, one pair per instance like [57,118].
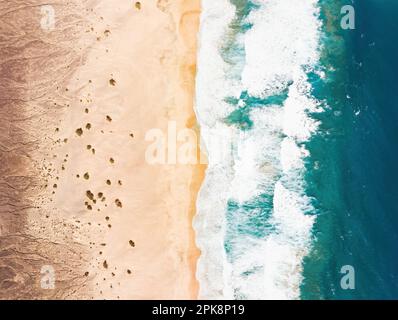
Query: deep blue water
[356,150]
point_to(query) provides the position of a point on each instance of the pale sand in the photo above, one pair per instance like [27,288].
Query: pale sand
[151,55]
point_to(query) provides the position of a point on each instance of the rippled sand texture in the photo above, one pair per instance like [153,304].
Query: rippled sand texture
[78,202]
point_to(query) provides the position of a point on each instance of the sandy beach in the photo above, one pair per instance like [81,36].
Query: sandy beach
[80,203]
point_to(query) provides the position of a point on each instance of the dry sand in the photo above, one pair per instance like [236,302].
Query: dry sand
[77,193]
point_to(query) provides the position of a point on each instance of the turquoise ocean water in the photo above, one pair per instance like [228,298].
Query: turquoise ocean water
[311,186]
[355,186]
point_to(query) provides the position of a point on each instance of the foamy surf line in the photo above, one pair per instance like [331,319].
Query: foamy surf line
[254,220]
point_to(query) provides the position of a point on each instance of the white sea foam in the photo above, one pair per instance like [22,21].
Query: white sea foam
[256,158]
[297,123]
[284,37]
[282,44]
[212,87]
